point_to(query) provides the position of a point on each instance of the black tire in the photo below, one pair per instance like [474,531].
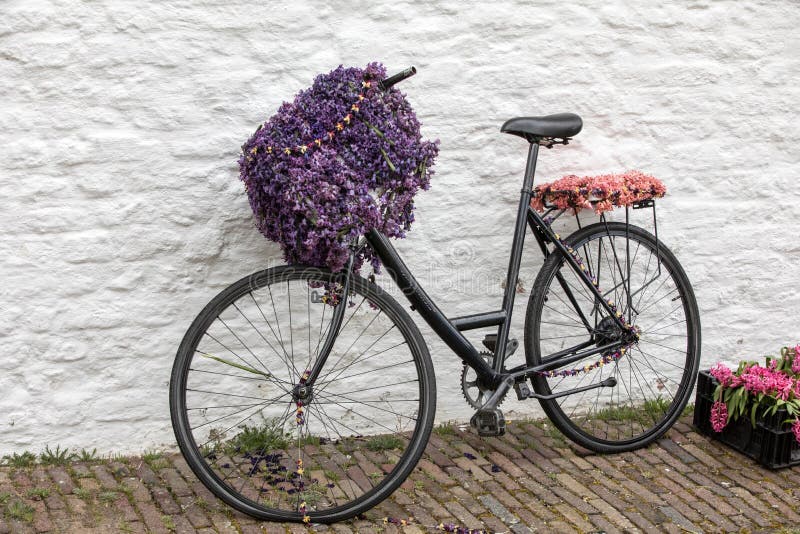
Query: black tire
[655,377]
[350,462]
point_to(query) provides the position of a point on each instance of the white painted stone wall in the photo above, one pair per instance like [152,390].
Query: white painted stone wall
[121,121]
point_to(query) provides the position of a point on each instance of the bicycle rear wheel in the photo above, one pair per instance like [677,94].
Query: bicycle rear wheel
[233,397]
[655,376]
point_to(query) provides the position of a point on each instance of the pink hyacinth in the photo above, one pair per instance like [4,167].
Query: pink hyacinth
[757,379]
[796,429]
[796,361]
[723,375]
[719,416]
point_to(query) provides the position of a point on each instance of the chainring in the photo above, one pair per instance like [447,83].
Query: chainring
[472,392]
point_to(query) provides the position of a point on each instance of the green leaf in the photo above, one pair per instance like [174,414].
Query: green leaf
[388,161]
[753,411]
[237,365]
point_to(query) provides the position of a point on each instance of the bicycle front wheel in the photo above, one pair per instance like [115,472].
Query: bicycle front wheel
[323,455]
[654,377]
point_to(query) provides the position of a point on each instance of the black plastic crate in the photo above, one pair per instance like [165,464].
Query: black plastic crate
[771,443]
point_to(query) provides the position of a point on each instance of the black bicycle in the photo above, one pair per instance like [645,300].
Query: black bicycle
[299,394]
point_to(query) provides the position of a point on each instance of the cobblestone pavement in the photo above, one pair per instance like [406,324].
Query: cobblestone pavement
[530,480]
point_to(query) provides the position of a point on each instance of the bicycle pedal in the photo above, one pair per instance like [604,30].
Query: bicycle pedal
[489,422]
[522,389]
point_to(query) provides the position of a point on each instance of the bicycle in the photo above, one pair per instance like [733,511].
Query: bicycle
[299,394]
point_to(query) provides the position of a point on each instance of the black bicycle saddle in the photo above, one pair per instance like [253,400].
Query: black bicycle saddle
[558,125]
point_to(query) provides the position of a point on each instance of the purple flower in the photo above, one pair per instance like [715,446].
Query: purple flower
[331,165]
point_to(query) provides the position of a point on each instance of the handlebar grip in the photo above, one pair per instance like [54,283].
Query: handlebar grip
[399,77]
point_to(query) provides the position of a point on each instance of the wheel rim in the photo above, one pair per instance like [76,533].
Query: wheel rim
[353,439]
[654,375]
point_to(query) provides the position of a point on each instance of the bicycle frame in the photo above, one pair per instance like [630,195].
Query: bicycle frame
[449,330]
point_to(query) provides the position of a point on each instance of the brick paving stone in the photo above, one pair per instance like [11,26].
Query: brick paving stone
[76,506]
[467,500]
[194,513]
[145,474]
[165,501]
[673,462]
[152,517]
[434,507]
[601,463]
[506,465]
[641,491]
[581,463]
[573,485]
[182,525]
[421,515]
[471,466]
[500,446]
[676,517]
[124,509]
[175,482]
[137,488]
[574,500]
[560,526]
[706,482]
[701,455]
[435,472]
[106,479]
[89,484]
[463,515]
[440,459]
[41,522]
[499,510]
[62,480]
[467,449]
[509,483]
[544,464]
[612,514]
[719,504]
[530,519]
[222,523]
[641,521]
[603,525]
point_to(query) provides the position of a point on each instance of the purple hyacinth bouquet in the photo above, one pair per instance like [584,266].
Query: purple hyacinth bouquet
[341,159]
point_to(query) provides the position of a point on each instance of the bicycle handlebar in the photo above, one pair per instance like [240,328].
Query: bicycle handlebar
[399,77]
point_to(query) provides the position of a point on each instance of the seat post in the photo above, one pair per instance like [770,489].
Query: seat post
[516,254]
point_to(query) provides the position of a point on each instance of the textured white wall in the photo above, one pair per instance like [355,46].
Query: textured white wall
[122,213]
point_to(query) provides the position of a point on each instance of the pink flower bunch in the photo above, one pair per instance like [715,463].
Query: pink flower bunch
[722,373]
[752,383]
[719,416]
[757,379]
[600,193]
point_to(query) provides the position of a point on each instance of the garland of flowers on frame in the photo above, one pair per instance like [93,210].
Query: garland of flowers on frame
[608,358]
[302,149]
